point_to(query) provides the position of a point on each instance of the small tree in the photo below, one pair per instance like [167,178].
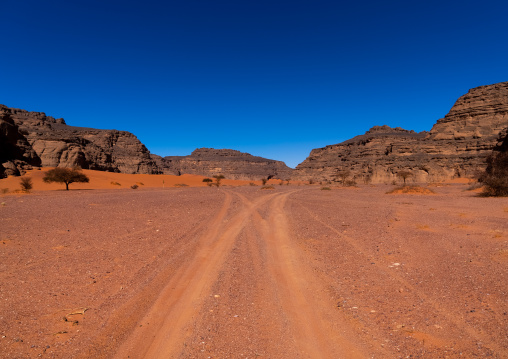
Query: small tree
[26,184]
[343,176]
[264,180]
[65,175]
[218,179]
[208,181]
[404,175]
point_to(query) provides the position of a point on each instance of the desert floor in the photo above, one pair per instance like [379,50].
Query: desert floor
[239,272]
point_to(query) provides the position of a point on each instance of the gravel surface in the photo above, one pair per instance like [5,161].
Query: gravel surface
[236,272]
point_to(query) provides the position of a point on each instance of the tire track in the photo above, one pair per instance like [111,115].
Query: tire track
[444,312]
[180,301]
[308,314]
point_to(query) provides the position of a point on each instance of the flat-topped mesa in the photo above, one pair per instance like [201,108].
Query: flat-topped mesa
[49,142]
[230,163]
[457,145]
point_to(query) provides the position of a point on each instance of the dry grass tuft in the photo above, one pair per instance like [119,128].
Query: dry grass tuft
[267,187]
[411,190]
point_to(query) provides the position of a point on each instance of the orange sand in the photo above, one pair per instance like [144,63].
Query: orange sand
[105,180]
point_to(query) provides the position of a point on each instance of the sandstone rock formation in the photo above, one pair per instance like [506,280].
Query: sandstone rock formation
[457,145]
[16,154]
[231,163]
[44,141]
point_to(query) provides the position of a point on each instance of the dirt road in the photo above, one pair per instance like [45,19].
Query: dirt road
[293,272]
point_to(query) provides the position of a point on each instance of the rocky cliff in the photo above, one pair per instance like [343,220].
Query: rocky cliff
[456,146]
[231,163]
[34,139]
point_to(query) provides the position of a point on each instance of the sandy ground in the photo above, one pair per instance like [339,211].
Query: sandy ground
[109,180]
[239,272]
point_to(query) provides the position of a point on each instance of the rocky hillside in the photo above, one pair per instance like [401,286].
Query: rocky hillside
[231,163]
[456,146]
[34,139]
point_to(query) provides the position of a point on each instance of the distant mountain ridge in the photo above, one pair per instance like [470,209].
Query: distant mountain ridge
[32,139]
[234,164]
[456,146]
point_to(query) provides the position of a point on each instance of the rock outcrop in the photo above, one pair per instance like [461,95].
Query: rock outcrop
[16,154]
[231,163]
[456,146]
[32,138]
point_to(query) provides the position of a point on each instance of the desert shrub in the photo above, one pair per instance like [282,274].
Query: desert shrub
[5,190]
[495,178]
[342,176]
[252,184]
[311,181]
[263,181]
[65,175]
[281,183]
[349,183]
[367,179]
[404,175]
[181,185]
[267,187]
[326,189]
[218,179]
[411,190]
[26,184]
[134,186]
[208,181]
[115,183]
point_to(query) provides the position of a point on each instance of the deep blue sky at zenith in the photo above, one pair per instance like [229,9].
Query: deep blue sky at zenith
[272,78]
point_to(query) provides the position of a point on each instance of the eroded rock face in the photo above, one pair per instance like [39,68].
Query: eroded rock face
[49,142]
[16,154]
[457,145]
[231,163]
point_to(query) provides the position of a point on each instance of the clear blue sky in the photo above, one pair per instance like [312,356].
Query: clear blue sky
[272,78]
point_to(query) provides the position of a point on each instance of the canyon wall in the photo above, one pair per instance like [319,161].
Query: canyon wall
[456,146]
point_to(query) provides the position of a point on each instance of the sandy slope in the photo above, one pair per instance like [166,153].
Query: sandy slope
[110,180]
[294,272]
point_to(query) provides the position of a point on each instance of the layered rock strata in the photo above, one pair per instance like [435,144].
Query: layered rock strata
[49,142]
[230,163]
[456,146]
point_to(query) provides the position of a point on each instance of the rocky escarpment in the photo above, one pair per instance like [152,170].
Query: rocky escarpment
[32,138]
[456,146]
[16,154]
[231,163]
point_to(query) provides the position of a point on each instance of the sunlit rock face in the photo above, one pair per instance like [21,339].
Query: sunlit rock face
[49,142]
[456,146]
[230,163]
